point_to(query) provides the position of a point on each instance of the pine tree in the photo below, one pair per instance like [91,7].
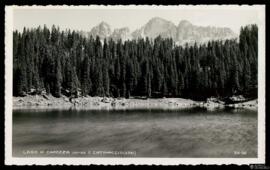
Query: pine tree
[86,81]
[67,62]
[58,79]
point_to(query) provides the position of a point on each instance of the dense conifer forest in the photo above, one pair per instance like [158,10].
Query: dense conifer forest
[68,63]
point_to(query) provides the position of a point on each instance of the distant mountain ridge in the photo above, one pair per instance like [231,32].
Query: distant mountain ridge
[184,32]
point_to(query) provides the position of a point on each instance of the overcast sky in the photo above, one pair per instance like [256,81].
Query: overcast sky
[84,19]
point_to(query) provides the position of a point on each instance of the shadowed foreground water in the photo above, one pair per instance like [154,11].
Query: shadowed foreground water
[137,133]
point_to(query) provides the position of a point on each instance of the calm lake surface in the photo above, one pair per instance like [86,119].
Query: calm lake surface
[136,133]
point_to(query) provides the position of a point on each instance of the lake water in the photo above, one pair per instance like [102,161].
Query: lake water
[136,133]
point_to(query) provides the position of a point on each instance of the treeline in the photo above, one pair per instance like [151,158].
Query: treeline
[68,63]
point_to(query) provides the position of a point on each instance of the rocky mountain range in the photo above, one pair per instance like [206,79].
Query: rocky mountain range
[184,32]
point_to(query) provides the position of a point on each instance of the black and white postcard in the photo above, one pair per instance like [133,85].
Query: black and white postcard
[135,84]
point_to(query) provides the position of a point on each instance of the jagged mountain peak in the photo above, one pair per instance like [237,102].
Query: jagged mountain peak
[184,32]
[184,23]
[121,33]
[158,21]
[103,30]
[104,24]
[189,33]
[154,27]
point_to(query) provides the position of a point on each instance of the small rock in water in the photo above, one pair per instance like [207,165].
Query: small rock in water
[113,104]
[105,100]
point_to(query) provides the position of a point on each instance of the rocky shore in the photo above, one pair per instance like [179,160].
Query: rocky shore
[96,103]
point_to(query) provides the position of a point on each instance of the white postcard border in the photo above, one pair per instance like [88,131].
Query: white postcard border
[9,160]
